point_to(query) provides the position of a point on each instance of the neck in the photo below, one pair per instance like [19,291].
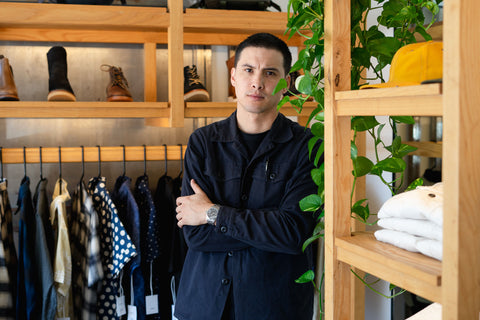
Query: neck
[255,122]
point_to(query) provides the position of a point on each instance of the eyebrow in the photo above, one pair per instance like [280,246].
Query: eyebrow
[266,69]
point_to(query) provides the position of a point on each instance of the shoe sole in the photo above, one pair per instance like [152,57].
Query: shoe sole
[119,99]
[61,95]
[9,98]
[197,96]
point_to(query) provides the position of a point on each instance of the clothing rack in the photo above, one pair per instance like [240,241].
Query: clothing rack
[91,154]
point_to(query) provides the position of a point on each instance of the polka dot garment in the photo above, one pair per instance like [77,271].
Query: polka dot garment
[116,248]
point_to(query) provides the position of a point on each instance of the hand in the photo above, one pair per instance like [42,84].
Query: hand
[192,210]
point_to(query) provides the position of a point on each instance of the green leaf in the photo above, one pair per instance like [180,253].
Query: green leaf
[364,123]
[361,211]
[284,100]
[353,151]
[282,84]
[391,165]
[311,203]
[403,119]
[416,183]
[318,175]
[319,154]
[362,166]
[308,276]
[318,129]
[403,150]
[313,238]
[311,144]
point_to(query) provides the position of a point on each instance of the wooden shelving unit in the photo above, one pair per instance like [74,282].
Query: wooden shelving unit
[454,282]
[43,22]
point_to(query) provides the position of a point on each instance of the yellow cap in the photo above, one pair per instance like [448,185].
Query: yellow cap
[414,63]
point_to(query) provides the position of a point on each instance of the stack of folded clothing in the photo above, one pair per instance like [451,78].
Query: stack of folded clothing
[413,220]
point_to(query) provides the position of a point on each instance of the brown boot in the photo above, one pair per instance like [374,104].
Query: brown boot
[117,89]
[8,90]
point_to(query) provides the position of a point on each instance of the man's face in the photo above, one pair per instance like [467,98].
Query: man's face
[256,75]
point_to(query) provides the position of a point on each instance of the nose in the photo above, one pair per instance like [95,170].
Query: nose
[257,82]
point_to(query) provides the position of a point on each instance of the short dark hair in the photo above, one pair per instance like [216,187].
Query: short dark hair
[268,41]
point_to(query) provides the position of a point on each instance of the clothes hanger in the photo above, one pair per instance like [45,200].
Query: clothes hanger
[144,160]
[83,164]
[99,162]
[41,162]
[24,162]
[60,169]
[181,161]
[1,163]
[166,160]
[124,162]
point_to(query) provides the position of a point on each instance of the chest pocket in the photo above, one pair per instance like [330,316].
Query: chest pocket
[225,179]
[269,182]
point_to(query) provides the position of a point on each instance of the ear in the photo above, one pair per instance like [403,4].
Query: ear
[289,79]
[232,76]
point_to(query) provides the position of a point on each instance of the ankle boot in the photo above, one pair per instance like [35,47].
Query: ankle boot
[58,86]
[117,89]
[193,88]
[8,90]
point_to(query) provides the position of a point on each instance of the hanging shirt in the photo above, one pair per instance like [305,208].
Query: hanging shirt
[115,245]
[46,303]
[86,260]
[7,310]
[62,267]
[127,208]
[171,238]
[149,239]
[25,302]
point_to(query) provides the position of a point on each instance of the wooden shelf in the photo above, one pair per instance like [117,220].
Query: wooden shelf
[426,148]
[82,17]
[412,271]
[422,100]
[68,109]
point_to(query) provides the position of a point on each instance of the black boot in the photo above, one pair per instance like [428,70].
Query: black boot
[58,86]
[193,88]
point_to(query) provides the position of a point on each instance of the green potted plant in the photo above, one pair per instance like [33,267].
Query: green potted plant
[371,50]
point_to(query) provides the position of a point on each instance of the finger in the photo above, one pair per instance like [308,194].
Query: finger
[196,188]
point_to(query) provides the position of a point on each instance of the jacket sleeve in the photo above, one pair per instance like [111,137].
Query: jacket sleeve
[204,237]
[283,229]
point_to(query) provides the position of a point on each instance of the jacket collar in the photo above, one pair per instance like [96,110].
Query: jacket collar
[227,130]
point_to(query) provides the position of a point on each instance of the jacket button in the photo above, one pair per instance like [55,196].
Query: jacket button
[223,229]
[273,176]
[244,197]
[225,281]
[230,253]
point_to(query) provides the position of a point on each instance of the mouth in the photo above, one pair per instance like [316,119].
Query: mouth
[255,96]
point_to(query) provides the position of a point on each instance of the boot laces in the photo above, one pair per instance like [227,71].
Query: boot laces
[193,77]
[116,74]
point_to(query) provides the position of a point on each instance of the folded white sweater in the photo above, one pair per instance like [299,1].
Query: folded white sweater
[422,228]
[423,203]
[428,247]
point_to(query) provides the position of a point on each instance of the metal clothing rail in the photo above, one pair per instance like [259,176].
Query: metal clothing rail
[91,154]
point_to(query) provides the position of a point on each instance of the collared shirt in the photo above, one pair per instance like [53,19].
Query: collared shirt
[255,250]
[115,245]
[85,244]
[62,266]
[7,255]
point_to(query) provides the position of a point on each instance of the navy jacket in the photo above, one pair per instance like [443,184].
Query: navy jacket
[255,249]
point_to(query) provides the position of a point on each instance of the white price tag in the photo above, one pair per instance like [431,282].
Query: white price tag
[132,312]
[121,310]
[151,304]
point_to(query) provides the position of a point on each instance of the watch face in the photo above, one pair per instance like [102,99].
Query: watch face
[212,213]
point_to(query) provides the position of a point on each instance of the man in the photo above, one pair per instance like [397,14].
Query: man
[239,211]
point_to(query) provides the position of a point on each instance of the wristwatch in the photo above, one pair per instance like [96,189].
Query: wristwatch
[212,214]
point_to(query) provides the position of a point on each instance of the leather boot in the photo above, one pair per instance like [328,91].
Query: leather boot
[58,85]
[117,88]
[8,90]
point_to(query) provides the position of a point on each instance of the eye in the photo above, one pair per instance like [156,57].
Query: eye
[270,73]
[248,70]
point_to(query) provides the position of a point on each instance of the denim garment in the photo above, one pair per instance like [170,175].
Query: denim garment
[127,208]
[10,253]
[254,252]
[116,248]
[47,305]
[149,239]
